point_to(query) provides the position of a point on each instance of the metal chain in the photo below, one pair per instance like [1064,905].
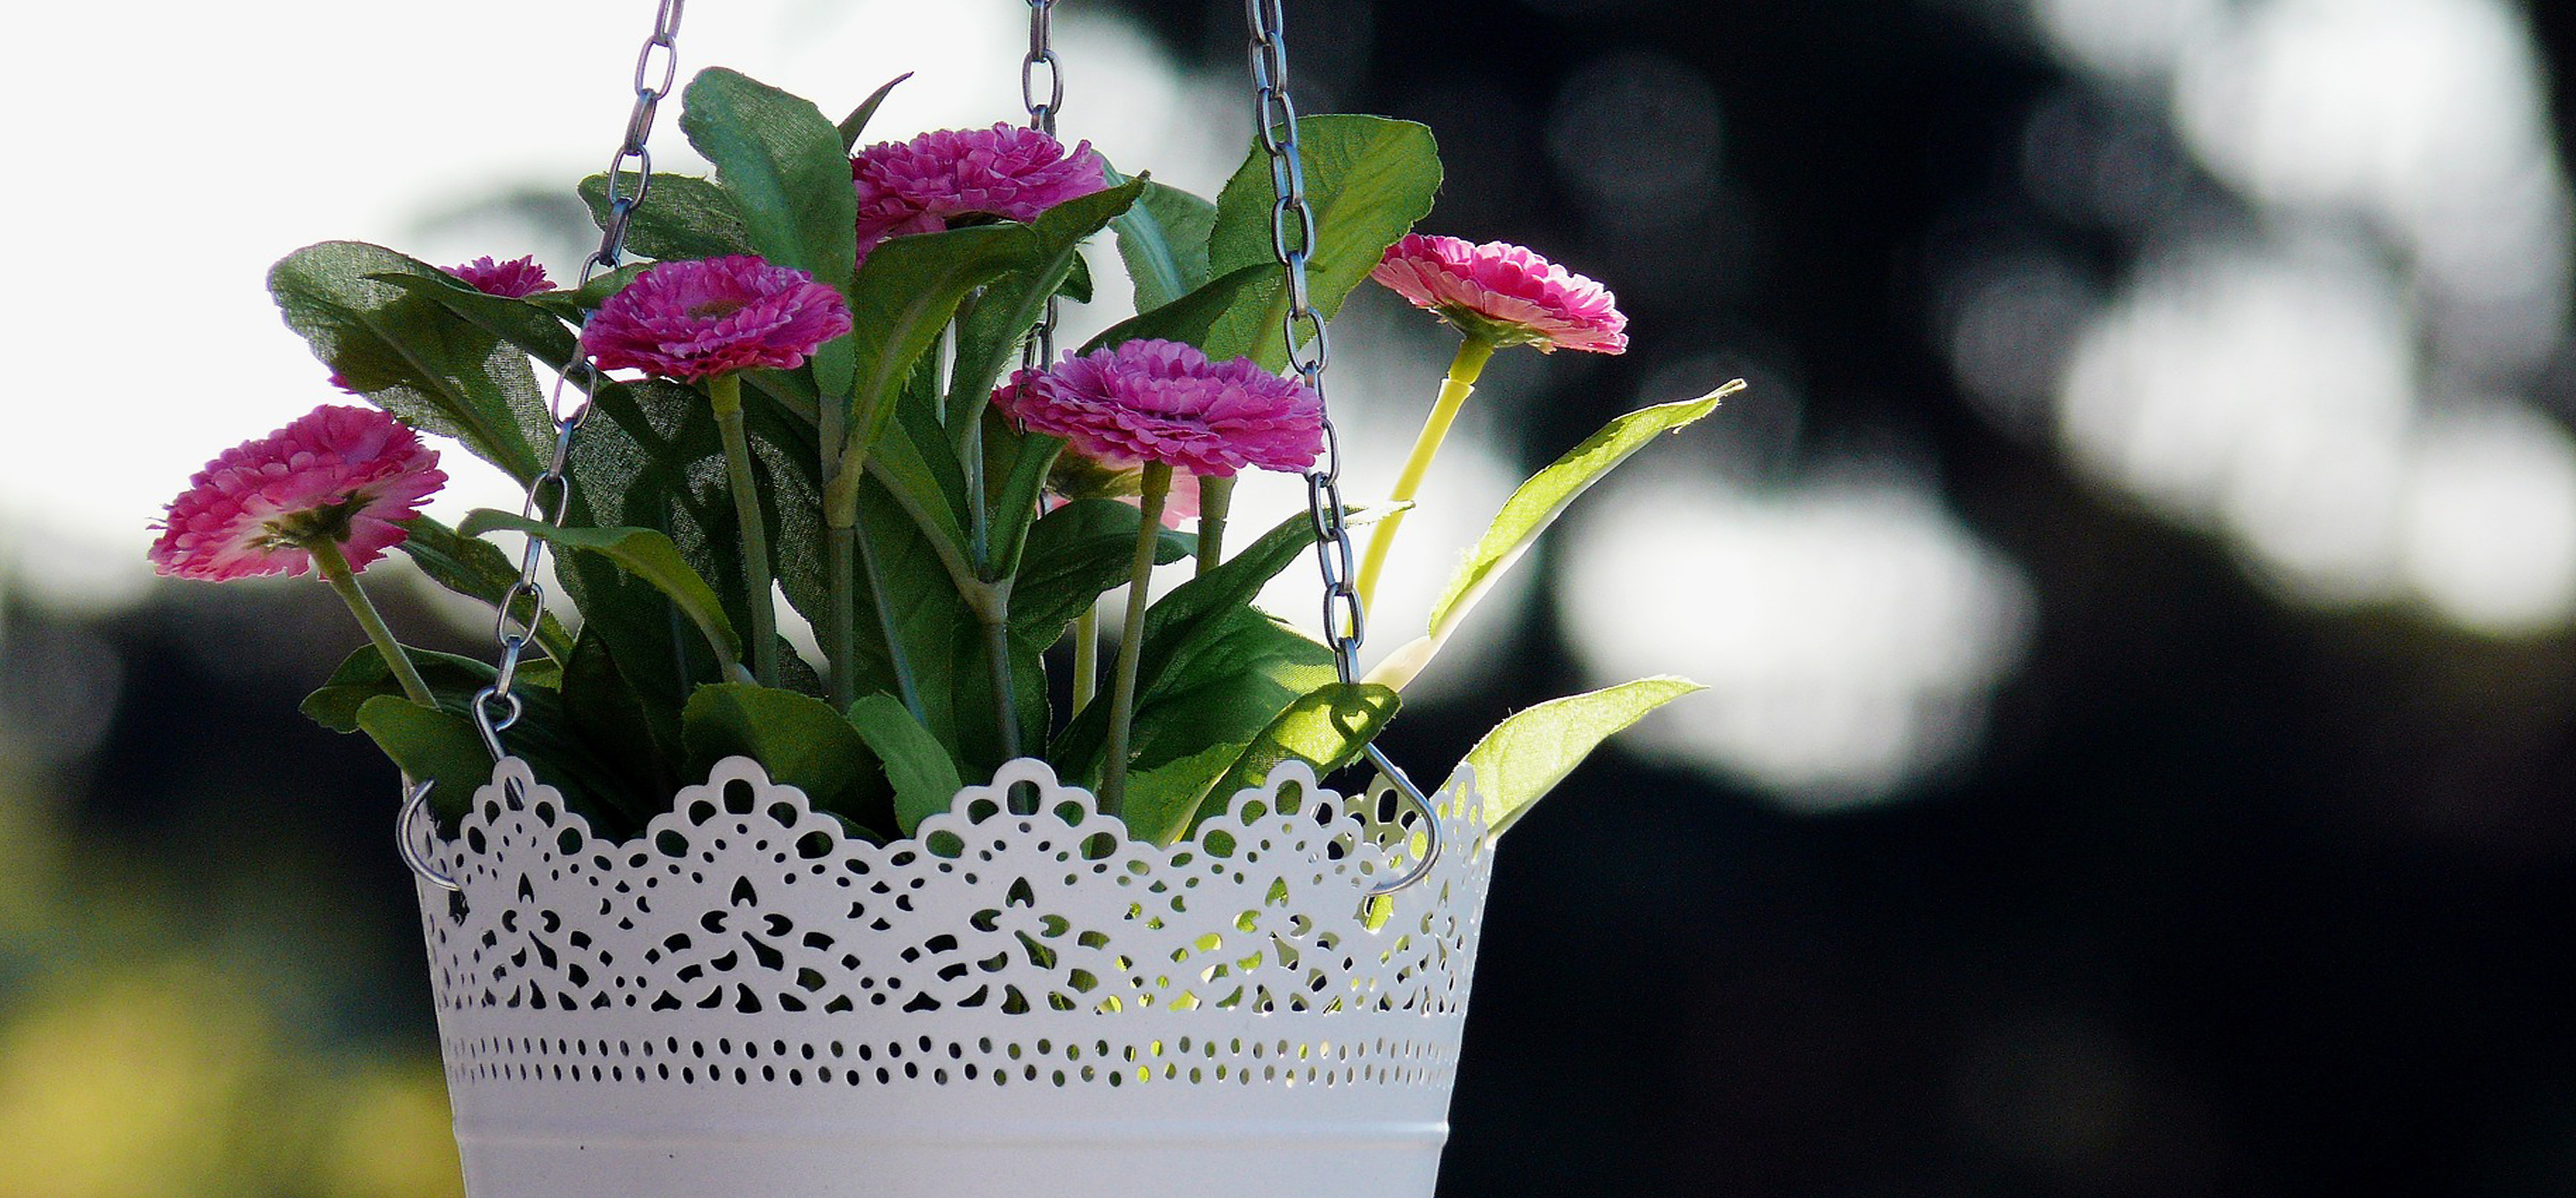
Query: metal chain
[1039,349]
[1309,347]
[523,606]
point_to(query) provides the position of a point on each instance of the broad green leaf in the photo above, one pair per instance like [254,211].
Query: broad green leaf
[904,295]
[1164,242]
[1524,757]
[1368,179]
[1325,728]
[1213,669]
[532,325]
[1016,465]
[437,747]
[924,776]
[650,457]
[645,553]
[1075,554]
[410,355]
[1191,318]
[476,570]
[798,739]
[855,126]
[453,680]
[638,738]
[782,162]
[1234,681]
[1530,511]
[1001,319]
[682,217]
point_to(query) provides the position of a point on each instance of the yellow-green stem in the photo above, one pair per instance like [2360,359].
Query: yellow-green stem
[1086,656]
[1216,498]
[1454,390]
[334,569]
[1157,485]
[725,391]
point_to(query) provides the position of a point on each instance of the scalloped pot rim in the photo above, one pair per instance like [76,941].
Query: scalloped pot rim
[488,802]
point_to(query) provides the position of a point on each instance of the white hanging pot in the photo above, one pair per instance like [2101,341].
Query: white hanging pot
[1018,1000]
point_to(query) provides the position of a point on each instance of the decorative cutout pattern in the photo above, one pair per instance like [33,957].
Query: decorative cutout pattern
[744,941]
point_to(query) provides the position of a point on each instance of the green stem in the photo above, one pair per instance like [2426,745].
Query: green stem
[1131,645]
[1454,390]
[885,624]
[1216,498]
[1086,656]
[334,569]
[841,618]
[725,391]
[997,648]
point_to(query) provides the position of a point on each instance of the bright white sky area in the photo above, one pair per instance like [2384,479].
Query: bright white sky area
[206,151]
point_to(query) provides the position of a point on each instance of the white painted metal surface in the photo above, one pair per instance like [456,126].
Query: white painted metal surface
[1018,1000]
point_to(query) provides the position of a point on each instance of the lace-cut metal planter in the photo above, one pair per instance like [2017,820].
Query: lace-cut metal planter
[1018,1000]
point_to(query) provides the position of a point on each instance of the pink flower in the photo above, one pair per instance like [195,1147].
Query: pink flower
[1162,401]
[694,320]
[348,475]
[945,177]
[509,280]
[1504,294]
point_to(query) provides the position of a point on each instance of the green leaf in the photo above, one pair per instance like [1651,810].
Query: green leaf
[410,355]
[530,324]
[682,217]
[904,295]
[800,740]
[1368,179]
[1164,242]
[650,457]
[1206,634]
[924,776]
[614,720]
[1192,318]
[1524,757]
[644,553]
[476,570]
[782,162]
[1075,554]
[1325,728]
[1016,465]
[785,167]
[1201,714]
[1530,511]
[453,680]
[437,747]
[999,321]
[855,125]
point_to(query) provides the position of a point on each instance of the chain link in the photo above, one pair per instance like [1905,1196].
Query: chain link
[1309,347]
[1039,349]
[523,607]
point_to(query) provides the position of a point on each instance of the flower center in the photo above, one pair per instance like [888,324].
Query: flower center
[717,309]
[302,529]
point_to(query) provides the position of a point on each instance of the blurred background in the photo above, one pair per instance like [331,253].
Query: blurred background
[2135,592]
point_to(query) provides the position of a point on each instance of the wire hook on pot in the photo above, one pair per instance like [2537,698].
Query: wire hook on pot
[414,854]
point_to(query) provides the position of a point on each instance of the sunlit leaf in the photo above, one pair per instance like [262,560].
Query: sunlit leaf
[1525,756]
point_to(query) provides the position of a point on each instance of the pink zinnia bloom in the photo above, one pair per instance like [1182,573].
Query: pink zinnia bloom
[1162,401]
[695,320]
[509,280]
[349,475]
[1504,294]
[950,176]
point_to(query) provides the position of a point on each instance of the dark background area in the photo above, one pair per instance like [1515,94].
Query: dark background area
[2239,896]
